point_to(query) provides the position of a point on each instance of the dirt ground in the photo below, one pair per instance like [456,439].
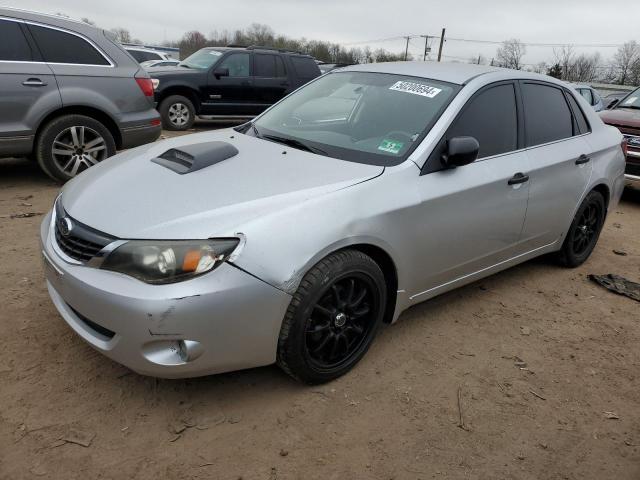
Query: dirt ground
[396,416]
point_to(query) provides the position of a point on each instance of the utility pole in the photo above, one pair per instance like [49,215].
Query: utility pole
[426,47]
[441,44]
[406,51]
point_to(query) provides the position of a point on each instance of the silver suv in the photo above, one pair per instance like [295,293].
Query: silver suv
[70,96]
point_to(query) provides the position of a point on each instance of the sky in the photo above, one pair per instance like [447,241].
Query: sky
[358,22]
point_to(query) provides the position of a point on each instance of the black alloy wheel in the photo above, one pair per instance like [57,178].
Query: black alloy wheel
[333,317]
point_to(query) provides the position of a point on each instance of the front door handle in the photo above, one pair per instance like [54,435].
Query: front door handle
[582,159]
[518,178]
[34,82]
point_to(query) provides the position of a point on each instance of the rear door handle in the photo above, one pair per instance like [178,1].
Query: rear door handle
[34,82]
[582,159]
[518,178]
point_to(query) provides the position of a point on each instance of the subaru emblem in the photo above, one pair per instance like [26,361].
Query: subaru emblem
[66,225]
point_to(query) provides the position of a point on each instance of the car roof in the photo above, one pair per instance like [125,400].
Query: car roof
[456,73]
[258,49]
[53,20]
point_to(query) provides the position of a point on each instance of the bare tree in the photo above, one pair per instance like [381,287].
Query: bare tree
[624,60]
[191,42]
[510,54]
[565,58]
[540,67]
[122,35]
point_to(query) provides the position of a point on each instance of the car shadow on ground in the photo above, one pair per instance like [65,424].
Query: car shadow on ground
[23,171]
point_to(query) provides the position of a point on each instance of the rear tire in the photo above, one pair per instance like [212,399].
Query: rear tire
[584,231]
[333,317]
[70,144]
[177,112]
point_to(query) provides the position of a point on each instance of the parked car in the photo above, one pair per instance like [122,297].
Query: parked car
[159,63]
[292,239]
[69,95]
[142,54]
[228,82]
[591,96]
[327,67]
[612,99]
[625,116]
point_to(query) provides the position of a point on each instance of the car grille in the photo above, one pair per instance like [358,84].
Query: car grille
[81,243]
[632,169]
[75,247]
[99,329]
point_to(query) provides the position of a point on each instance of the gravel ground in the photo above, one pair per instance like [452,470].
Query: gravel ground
[540,364]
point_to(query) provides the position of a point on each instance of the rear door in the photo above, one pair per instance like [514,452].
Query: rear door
[232,94]
[559,157]
[28,89]
[270,79]
[473,215]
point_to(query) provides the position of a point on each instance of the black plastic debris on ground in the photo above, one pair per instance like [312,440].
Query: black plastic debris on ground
[618,284]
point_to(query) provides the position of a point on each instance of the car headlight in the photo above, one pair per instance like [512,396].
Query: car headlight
[169,261]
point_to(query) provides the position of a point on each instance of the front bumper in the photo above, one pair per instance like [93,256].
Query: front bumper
[229,319]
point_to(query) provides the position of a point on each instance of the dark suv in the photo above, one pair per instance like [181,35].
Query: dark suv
[228,82]
[69,95]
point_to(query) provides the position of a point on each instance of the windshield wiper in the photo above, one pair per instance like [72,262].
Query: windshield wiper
[293,143]
[635,107]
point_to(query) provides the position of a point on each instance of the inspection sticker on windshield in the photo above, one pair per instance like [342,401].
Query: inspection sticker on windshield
[390,146]
[416,89]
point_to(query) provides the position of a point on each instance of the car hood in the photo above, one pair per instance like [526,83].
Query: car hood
[628,117]
[177,70]
[130,197]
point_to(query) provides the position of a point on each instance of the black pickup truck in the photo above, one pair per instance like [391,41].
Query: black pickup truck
[228,82]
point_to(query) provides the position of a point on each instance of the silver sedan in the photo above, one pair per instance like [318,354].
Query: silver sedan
[295,237]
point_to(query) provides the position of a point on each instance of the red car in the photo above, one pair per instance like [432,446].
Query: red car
[626,117]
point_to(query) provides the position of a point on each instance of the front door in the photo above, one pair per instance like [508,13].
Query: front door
[232,94]
[471,217]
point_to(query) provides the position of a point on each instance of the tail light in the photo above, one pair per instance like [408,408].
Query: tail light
[146,85]
[625,147]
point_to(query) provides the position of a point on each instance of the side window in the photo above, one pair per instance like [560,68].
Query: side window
[586,93]
[305,67]
[491,117]
[137,55]
[61,47]
[237,63]
[14,46]
[581,119]
[547,115]
[265,65]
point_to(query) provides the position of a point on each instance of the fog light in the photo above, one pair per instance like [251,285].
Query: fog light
[189,350]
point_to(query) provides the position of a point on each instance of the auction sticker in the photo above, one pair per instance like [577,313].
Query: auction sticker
[390,146]
[631,100]
[416,88]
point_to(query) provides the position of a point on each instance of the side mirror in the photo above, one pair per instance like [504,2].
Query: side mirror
[221,72]
[613,103]
[460,151]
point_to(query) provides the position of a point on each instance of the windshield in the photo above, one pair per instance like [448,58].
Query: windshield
[632,101]
[373,118]
[202,59]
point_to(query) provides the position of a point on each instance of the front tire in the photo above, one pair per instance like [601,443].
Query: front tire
[70,144]
[584,231]
[177,112]
[333,317]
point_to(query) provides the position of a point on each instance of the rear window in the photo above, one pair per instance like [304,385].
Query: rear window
[547,115]
[142,56]
[305,67]
[62,47]
[14,45]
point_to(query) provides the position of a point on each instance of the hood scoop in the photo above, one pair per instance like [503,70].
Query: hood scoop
[194,157]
